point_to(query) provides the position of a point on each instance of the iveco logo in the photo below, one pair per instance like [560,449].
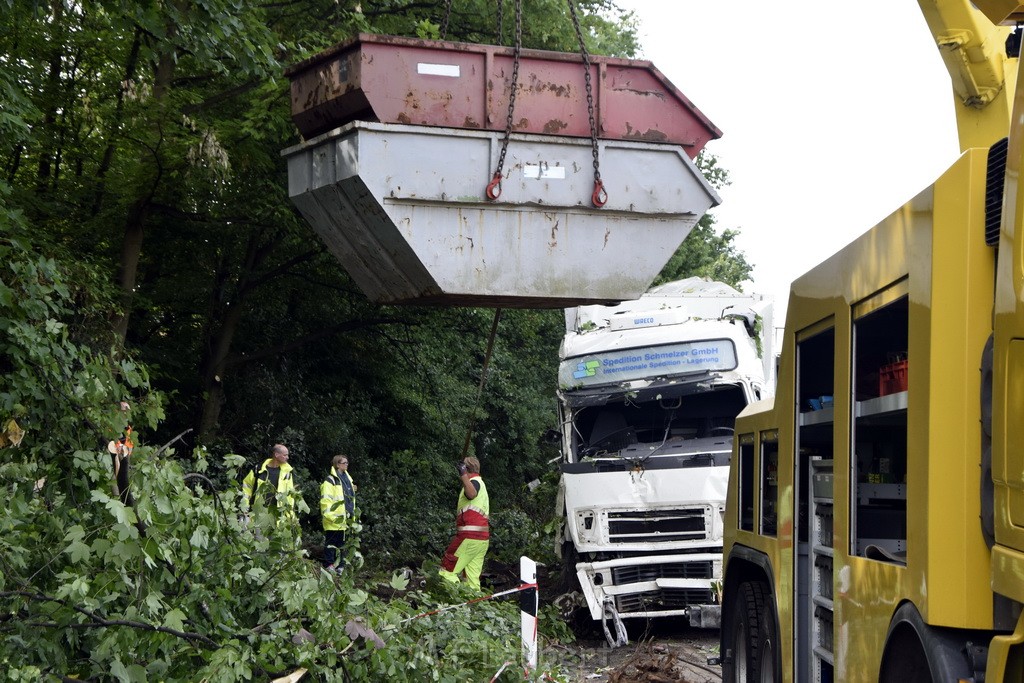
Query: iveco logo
[643,321]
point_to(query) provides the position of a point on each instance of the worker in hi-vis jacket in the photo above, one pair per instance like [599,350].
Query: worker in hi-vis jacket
[465,554]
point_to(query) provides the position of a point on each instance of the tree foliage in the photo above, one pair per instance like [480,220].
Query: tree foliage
[706,252]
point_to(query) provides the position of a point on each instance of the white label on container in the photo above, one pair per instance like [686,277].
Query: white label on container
[543,171]
[450,70]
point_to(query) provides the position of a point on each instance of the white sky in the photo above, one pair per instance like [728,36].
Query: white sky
[833,115]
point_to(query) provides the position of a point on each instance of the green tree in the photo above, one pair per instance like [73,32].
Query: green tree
[172,582]
[707,252]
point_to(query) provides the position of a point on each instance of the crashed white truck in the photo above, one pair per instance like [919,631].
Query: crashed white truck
[648,391]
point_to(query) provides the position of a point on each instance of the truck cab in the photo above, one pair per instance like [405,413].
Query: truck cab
[648,391]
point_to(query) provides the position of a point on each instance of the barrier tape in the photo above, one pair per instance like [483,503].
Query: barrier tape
[446,608]
[498,672]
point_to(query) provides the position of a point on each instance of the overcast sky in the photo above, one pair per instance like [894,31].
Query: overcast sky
[833,115]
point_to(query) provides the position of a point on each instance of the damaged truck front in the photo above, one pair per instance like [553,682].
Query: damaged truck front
[648,392]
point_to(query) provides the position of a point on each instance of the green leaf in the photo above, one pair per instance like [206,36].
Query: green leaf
[126,550]
[399,581]
[357,597]
[175,619]
[118,670]
[200,537]
[122,513]
[126,532]
[256,574]
[137,673]
[78,551]
[163,504]
[155,603]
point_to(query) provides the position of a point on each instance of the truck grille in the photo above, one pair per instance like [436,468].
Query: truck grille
[657,526]
[670,570]
[662,599]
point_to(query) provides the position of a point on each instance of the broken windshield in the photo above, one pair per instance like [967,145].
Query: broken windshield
[655,425]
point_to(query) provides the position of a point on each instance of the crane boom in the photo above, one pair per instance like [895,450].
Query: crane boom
[972,43]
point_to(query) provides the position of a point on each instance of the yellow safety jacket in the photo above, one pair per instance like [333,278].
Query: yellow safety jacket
[472,516]
[258,483]
[337,500]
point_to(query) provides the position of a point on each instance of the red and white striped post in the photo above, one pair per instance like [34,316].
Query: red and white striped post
[528,602]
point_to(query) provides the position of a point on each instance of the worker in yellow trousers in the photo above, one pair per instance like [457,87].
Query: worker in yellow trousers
[465,554]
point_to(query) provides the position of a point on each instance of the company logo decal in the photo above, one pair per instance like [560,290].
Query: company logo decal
[586,369]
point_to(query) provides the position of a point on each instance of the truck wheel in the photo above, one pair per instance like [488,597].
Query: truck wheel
[750,646]
[769,662]
[918,653]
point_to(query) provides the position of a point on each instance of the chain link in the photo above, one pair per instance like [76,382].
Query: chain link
[494,187]
[600,196]
[447,16]
[501,22]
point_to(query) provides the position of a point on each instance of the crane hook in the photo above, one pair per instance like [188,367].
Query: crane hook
[494,187]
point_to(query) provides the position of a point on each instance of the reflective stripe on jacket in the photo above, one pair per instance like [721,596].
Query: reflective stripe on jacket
[337,501]
[472,516]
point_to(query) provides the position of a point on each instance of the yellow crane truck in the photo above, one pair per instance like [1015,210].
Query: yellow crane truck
[874,523]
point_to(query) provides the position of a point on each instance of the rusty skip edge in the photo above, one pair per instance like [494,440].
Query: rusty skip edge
[495,301]
[296,70]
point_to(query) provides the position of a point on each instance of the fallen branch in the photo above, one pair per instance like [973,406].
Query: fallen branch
[100,622]
[171,442]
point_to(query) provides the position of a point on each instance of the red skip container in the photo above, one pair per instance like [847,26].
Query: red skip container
[390,79]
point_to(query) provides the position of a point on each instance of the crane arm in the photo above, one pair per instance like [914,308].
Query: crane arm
[972,43]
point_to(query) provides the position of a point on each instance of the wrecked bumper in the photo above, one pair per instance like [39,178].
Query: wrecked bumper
[655,586]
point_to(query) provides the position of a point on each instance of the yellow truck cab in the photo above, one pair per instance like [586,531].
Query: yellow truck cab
[893,451]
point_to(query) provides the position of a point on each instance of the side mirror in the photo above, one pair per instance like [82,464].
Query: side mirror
[552,436]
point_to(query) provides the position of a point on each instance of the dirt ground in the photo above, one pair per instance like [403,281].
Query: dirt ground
[659,650]
[662,656]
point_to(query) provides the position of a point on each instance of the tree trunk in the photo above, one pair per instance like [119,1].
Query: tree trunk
[115,127]
[213,375]
[52,88]
[135,222]
[223,335]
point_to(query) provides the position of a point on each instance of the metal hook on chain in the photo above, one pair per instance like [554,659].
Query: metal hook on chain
[494,187]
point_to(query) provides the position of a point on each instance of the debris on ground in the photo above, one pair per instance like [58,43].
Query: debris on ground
[660,663]
[680,657]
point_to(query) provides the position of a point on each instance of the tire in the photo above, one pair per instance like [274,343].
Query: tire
[918,653]
[750,637]
[769,666]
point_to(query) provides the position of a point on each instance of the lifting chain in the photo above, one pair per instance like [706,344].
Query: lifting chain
[599,196]
[447,16]
[494,187]
[501,22]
